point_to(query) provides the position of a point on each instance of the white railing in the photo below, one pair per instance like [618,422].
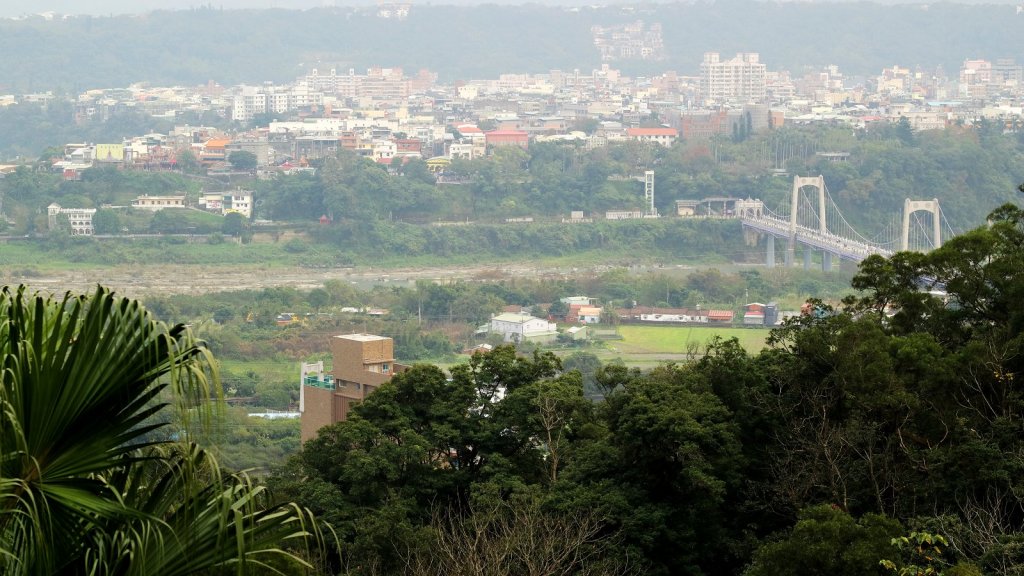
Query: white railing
[844,247]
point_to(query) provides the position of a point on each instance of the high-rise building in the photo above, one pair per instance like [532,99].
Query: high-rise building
[362,363]
[1007,72]
[740,80]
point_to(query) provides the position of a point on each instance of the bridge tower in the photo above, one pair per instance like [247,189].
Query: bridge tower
[649,209]
[800,183]
[911,206]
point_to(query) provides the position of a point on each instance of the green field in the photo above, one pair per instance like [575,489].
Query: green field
[646,346]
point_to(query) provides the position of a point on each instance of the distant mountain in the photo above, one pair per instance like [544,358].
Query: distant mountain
[250,46]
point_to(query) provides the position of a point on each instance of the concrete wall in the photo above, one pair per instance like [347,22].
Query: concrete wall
[318,411]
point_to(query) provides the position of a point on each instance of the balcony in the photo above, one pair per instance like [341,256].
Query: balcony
[327,383]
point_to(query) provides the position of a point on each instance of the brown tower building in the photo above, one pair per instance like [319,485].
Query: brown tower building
[362,362]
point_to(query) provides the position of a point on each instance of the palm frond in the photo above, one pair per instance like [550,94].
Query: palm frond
[84,488]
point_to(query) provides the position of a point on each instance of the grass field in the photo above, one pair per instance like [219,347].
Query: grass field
[648,346]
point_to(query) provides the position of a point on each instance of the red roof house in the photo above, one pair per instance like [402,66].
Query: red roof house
[507,138]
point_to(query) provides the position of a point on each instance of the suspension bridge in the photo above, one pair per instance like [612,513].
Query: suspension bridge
[812,223]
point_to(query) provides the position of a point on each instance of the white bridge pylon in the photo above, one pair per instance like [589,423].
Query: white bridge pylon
[824,228]
[911,206]
[799,183]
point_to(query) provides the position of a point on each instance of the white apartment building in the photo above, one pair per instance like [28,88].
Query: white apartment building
[278,102]
[384,150]
[376,84]
[975,79]
[241,202]
[303,96]
[79,219]
[739,80]
[249,101]
[224,203]
[252,100]
[460,150]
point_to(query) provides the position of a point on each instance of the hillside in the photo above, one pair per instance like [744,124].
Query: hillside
[236,46]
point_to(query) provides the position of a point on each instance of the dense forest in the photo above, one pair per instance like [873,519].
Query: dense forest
[199,45]
[881,434]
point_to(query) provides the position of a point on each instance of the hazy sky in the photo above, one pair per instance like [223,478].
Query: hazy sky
[10,8]
[105,7]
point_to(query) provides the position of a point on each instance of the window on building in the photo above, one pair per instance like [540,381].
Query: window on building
[385,368]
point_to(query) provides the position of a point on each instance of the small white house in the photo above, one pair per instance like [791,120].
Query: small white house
[523,327]
[589,315]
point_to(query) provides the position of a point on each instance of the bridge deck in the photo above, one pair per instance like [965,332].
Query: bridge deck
[843,247]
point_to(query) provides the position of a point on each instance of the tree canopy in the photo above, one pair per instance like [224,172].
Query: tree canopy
[242,160]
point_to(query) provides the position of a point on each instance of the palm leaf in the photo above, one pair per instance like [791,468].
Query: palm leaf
[83,487]
[191,526]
